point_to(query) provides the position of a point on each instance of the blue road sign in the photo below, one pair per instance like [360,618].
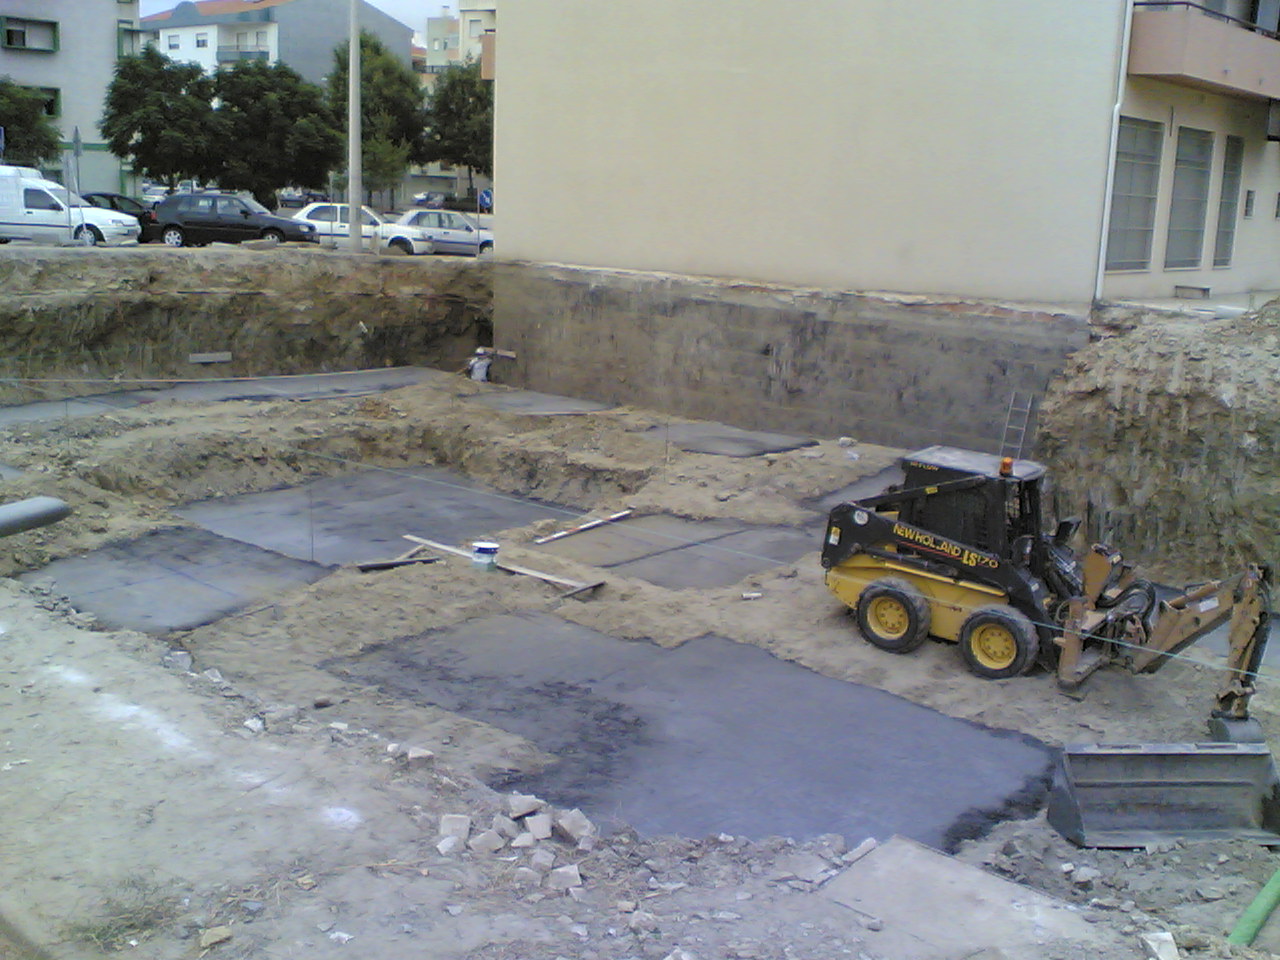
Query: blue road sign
[486,199]
[1,143]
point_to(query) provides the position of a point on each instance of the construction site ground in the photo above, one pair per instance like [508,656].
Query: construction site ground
[241,788]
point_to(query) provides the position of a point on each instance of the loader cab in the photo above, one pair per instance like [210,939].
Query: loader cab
[993,512]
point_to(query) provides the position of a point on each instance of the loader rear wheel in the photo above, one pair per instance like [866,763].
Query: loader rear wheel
[893,615]
[998,642]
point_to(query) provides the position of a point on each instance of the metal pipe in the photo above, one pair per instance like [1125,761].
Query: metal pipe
[31,513]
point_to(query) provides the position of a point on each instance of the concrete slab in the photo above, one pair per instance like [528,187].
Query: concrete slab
[860,489]
[535,404]
[362,516]
[711,736]
[686,554]
[173,579]
[934,907]
[727,441]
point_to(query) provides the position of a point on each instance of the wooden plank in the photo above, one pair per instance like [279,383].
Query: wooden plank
[391,564]
[574,585]
[580,528]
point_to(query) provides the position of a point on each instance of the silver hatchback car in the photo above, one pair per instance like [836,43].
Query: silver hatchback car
[450,231]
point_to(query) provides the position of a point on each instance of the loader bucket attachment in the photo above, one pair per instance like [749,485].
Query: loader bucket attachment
[1132,795]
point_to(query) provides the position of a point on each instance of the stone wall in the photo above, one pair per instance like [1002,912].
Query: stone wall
[904,371]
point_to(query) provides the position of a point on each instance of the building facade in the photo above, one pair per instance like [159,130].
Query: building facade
[1040,152]
[300,33]
[68,49]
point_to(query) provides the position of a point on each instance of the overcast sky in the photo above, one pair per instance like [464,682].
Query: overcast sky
[412,13]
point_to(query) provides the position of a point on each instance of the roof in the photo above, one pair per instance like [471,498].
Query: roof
[972,461]
[217,8]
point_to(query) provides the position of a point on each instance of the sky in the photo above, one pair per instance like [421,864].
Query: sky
[412,13]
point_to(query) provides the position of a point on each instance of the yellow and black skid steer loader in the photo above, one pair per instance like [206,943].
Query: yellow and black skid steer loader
[958,551]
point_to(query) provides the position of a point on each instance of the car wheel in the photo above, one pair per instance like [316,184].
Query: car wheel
[402,244]
[486,248]
[87,236]
[893,615]
[998,642]
[275,236]
[173,237]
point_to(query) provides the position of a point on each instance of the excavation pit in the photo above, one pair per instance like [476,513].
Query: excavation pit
[680,554]
[711,736]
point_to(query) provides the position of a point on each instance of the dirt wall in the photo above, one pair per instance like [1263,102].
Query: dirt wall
[1164,436]
[903,371]
[144,312]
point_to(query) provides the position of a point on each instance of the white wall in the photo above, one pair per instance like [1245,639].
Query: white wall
[944,147]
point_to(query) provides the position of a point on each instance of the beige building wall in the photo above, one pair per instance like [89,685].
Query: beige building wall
[952,148]
[1255,264]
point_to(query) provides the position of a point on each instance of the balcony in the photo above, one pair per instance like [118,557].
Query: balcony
[238,53]
[1192,45]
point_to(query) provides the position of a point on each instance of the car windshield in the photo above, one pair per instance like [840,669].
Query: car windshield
[254,205]
[66,197]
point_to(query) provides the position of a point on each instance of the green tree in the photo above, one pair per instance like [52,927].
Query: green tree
[30,136]
[460,119]
[392,118]
[274,129]
[159,117]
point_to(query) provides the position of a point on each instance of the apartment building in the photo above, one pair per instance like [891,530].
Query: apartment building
[68,50]
[475,20]
[1051,152]
[300,33]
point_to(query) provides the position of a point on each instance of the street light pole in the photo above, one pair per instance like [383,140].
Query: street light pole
[355,186]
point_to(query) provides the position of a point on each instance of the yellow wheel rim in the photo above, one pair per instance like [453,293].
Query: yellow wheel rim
[993,646]
[888,618]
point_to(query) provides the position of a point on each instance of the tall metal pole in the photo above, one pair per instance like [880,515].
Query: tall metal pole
[355,184]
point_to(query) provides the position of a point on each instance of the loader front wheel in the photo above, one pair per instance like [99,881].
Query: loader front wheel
[893,615]
[998,642]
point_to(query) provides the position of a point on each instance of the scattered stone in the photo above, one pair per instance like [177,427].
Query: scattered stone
[861,850]
[539,825]
[752,595]
[339,726]
[453,909]
[642,921]
[625,906]
[418,757]
[1159,945]
[521,805]
[455,825]
[803,866]
[524,840]
[1209,892]
[488,842]
[1085,876]
[563,878]
[450,845]
[679,954]
[214,936]
[215,676]
[726,916]
[506,826]
[542,860]
[574,825]
[527,877]
[252,906]
[1068,868]
[178,660]
[873,924]
[587,844]
[322,703]
[255,725]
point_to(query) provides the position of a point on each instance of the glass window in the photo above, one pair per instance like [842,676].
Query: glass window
[126,205]
[30,34]
[201,205]
[174,43]
[230,206]
[1133,195]
[325,214]
[1190,204]
[39,200]
[1229,202]
[98,201]
[202,40]
[473,28]
[261,38]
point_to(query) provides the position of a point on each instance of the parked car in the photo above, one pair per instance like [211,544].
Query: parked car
[298,197]
[330,221]
[145,216]
[43,211]
[450,232]
[429,198]
[195,218]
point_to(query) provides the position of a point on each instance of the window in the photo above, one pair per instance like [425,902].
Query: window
[1190,202]
[323,214]
[22,34]
[1248,204]
[261,39]
[39,200]
[473,28]
[52,100]
[1133,195]
[174,43]
[202,40]
[1229,201]
[242,40]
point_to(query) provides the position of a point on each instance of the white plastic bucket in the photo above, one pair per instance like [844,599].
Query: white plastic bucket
[484,554]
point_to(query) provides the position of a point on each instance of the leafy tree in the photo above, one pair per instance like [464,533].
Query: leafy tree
[30,136]
[460,119]
[392,118]
[159,116]
[274,130]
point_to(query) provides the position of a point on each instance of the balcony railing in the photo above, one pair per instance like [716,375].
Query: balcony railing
[235,53]
[1197,46]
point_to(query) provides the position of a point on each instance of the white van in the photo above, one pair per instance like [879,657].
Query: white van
[32,208]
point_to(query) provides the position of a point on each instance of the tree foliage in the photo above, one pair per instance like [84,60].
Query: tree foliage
[159,117]
[274,130]
[460,119]
[31,137]
[392,118]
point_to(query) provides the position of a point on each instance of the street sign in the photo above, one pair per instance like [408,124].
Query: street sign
[485,199]
[77,145]
[1,143]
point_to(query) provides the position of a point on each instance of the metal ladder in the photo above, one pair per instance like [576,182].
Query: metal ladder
[1015,423]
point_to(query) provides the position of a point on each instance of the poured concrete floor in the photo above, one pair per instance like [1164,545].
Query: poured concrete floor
[711,736]
[726,441]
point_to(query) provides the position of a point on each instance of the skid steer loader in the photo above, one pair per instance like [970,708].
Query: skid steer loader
[957,551]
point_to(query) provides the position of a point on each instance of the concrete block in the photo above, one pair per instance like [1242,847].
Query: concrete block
[539,825]
[573,825]
[522,804]
[488,842]
[564,878]
[1159,945]
[416,757]
[528,878]
[524,840]
[506,826]
[455,825]
[448,846]
[542,859]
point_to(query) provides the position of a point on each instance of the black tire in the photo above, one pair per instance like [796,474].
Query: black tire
[173,237]
[275,236]
[400,243]
[998,642]
[893,615]
[486,248]
[87,235]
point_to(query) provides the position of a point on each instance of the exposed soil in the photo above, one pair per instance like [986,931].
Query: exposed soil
[280,759]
